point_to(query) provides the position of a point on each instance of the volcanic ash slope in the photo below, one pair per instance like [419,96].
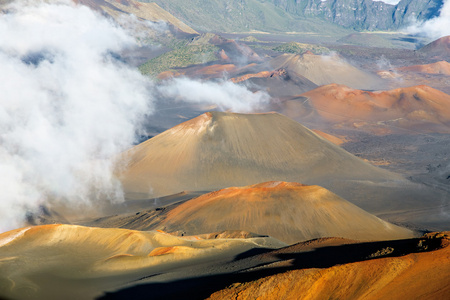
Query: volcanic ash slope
[440,67]
[289,212]
[416,109]
[218,150]
[438,48]
[322,69]
[406,269]
[75,262]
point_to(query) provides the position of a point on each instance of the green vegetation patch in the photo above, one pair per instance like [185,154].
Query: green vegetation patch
[299,48]
[179,58]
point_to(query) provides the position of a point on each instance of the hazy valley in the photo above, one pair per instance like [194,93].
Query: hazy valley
[225,149]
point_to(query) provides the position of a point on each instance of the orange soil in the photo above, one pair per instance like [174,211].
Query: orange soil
[332,138]
[248,76]
[288,211]
[440,67]
[439,47]
[424,275]
[339,103]
[263,74]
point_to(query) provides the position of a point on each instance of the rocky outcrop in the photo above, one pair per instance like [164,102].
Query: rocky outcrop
[363,15]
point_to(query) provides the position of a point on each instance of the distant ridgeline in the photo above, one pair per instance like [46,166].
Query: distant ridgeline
[298,15]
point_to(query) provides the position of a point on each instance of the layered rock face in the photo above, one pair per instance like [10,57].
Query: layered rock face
[363,15]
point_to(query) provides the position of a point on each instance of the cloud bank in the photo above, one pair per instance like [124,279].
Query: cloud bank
[226,95]
[434,28]
[68,105]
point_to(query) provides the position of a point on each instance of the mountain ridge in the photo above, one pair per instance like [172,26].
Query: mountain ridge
[299,15]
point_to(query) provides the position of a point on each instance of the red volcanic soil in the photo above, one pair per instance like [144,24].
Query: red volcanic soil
[440,67]
[212,71]
[332,138]
[262,74]
[287,211]
[408,269]
[77,262]
[279,83]
[416,108]
[440,47]
[322,69]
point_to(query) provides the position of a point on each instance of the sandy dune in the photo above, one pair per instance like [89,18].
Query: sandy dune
[290,212]
[318,269]
[74,262]
[218,150]
[423,273]
[417,108]
[326,70]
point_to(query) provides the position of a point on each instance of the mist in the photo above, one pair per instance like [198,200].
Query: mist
[384,65]
[436,27]
[70,104]
[67,107]
[224,94]
[392,2]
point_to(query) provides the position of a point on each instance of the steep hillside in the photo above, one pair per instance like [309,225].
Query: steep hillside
[217,150]
[145,11]
[323,269]
[416,109]
[75,262]
[299,15]
[278,83]
[289,212]
[337,17]
[243,16]
[363,15]
[326,70]
[439,48]
[200,50]
[440,67]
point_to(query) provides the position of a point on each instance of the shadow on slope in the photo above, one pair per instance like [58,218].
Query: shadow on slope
[319,255]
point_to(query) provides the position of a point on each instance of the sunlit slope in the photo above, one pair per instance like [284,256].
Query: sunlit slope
[440,67]
[278,83]
[417,108]
[218,150]
[422,272]
[290,212]
[438,48]
[326,69]
[74,262]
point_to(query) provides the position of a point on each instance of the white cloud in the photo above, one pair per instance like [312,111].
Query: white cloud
[392,2]
[66,106]
[434,28]
[226,95]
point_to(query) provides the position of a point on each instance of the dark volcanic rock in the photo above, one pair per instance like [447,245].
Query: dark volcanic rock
[365,14]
